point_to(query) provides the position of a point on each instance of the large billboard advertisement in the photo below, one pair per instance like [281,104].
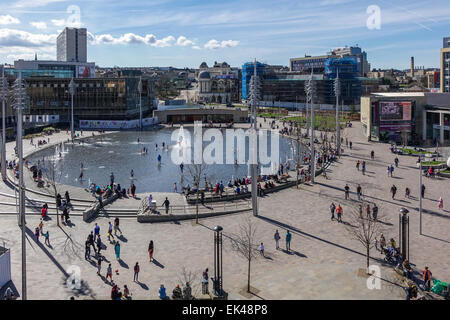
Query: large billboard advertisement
[86,72]
[395,110]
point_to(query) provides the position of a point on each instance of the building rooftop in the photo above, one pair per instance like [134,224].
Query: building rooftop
[398,94]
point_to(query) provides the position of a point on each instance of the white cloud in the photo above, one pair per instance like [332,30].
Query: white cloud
[131,38]
[58,22]
[7,19]
[214,44]
[183,41]
[35,3]
[196,47]
[13,37]
[39,25]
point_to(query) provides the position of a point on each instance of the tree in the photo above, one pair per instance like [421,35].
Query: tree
[187,276]
[52,175]
[245,244]
[365,229]
[196,171]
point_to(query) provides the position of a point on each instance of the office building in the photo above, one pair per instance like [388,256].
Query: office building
[445,65]
[407,117]
[317,63]
[71,45]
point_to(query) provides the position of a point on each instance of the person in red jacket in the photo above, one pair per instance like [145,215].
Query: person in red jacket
[427,278]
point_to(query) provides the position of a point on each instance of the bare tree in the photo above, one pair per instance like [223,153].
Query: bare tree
[245,244]
[365,229]
[196,172]
[191,277]
[52,175]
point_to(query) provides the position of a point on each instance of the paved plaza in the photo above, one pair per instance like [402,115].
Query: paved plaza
[325,261]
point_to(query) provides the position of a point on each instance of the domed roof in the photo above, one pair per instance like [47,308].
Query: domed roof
[182,73]
[203,65]
[204,75]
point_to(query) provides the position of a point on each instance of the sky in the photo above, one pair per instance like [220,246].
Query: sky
[183,33]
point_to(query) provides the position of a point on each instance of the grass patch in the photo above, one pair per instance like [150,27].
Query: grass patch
[432,163]
[412,151]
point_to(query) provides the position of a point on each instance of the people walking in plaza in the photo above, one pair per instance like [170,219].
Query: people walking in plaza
[407,192]
[357,165]
[96,231]
[175,189]
[133,190]
[41,226]
[205,282]
[99,245]
[111,178]
[36,233]
[396,162]
[150,250]
[427,278]
[110,229]
[166,203]
[87,249]
[288,240]
[392,170]
[332,208]
[339,213]
[116,226]
[66,195]
[372,154]
[47,238]
[422,191]
[276,237]
[99,264]
[136,272]
[441,203]
[363,167]
[388,171]
[109,272]
[358,192]
[374,212]
[347,191]
[117,250]
[393,191]
[382,243]
[368,211]
[91,240]
[261,249]
[350,145]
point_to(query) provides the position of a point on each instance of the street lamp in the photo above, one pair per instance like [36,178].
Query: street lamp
[19,97]
[4,87]
[140,102]
[420,194]
[72,92]
[404,232]
[253,154]
[218,265]
[337,92]
[311,90]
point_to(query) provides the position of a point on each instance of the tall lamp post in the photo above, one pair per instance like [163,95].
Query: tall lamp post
[420,194]
[3,96]
[140,102]
[72,92]
[19,100]
[337,92]
[253,154]
[218,261]
[311,92]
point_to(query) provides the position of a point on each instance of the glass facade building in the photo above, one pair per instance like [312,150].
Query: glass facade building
[247,71]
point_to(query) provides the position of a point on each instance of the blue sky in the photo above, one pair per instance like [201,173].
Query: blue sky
[183,33]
